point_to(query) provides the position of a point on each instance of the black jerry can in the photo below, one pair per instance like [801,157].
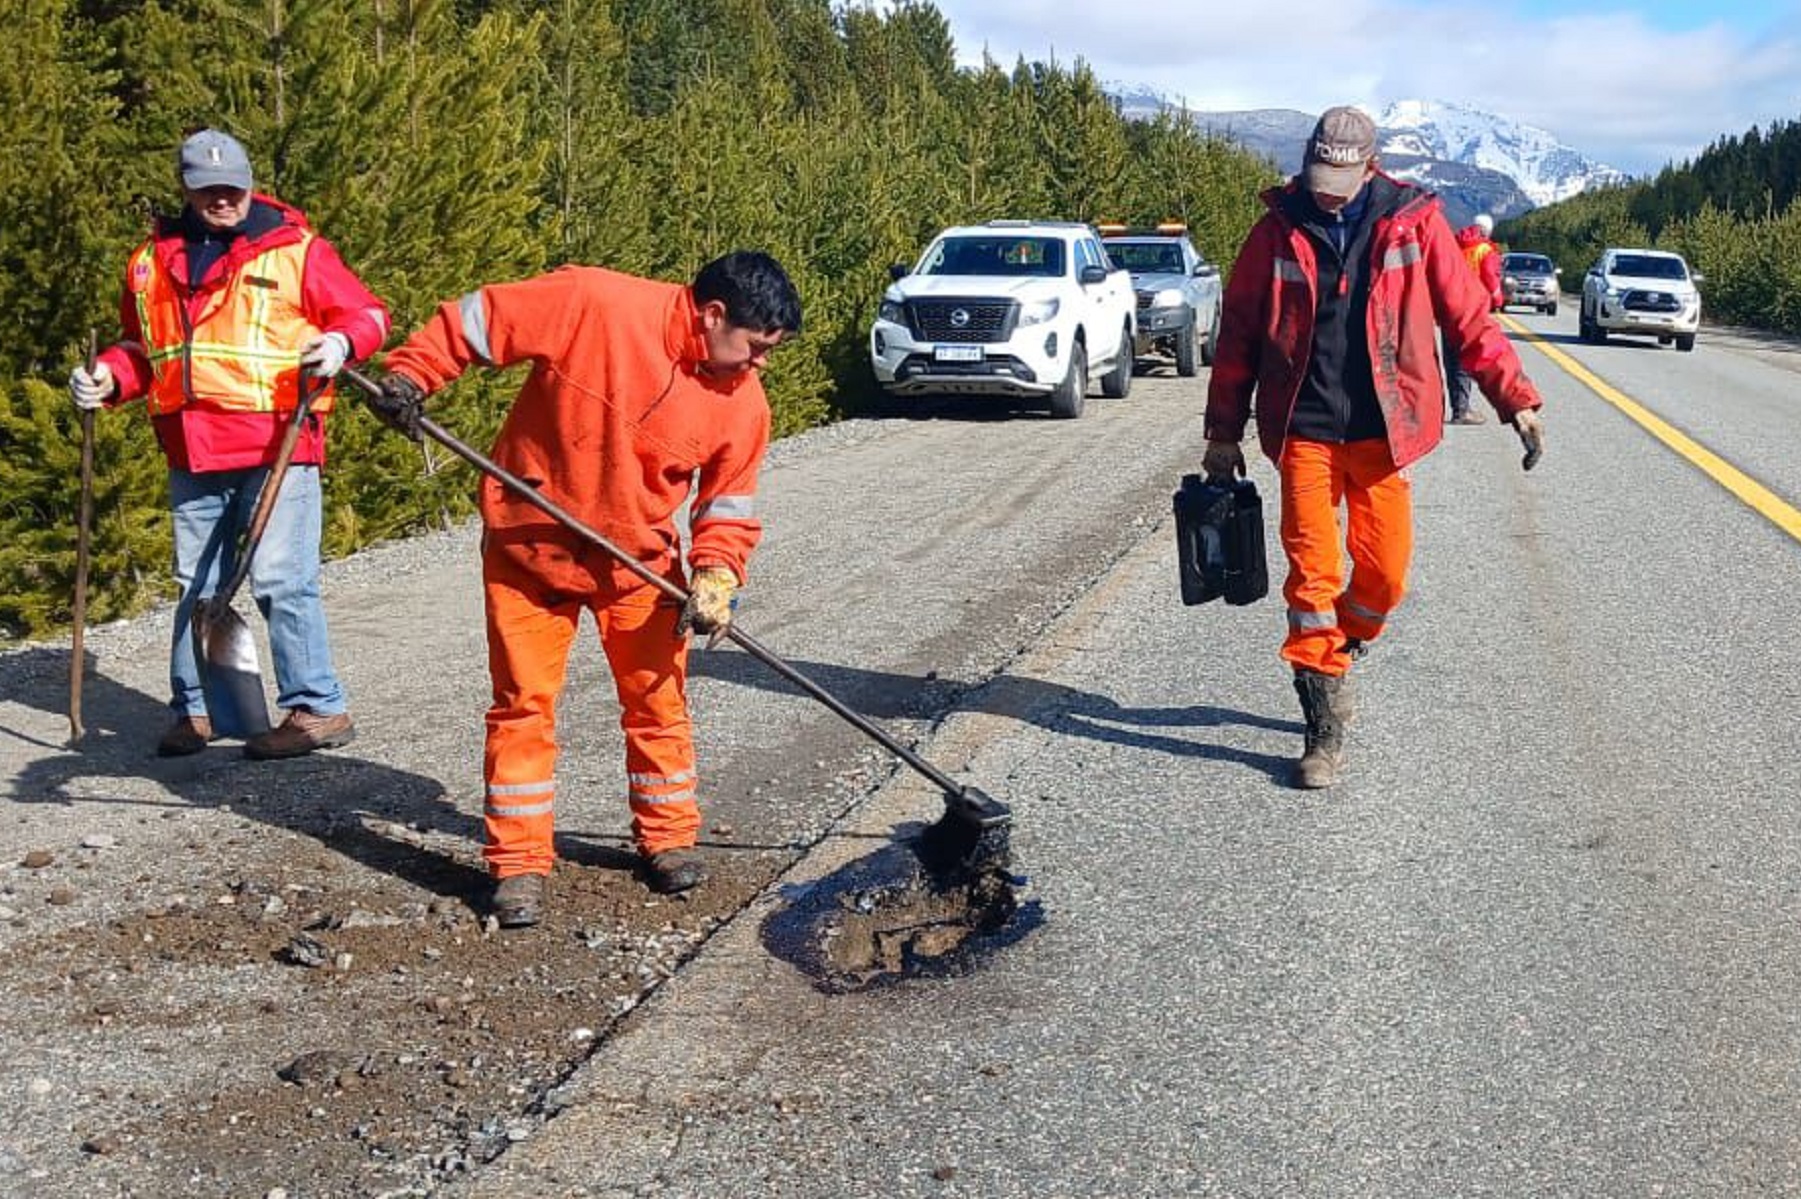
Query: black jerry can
[1219,541]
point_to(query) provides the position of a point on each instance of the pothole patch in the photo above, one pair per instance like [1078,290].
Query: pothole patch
[885,917]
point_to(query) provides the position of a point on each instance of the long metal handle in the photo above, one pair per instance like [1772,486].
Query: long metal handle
[752,646]
[84,521]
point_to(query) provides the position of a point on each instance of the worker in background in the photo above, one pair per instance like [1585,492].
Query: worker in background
[225,308]
[1330,318]
[1484,257]
[637,388]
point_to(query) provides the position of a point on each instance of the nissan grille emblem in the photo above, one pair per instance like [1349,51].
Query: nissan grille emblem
[959,318]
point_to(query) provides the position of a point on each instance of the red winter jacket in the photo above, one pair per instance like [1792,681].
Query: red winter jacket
[1419,283]
[200,438]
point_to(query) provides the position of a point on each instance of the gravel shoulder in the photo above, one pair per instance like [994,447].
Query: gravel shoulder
[227,977]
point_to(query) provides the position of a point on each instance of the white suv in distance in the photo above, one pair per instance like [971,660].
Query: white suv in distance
[1650,292]
[1010,308]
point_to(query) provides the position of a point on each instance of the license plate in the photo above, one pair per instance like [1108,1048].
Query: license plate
[957,353]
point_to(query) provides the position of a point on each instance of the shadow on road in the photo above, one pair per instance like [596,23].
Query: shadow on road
[323,795]
[882,695]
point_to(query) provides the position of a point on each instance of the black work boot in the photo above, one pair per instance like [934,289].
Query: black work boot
[1326,702]
[674,870]
[518,901]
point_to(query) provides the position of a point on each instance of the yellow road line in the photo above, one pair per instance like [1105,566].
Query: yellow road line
[1755,495]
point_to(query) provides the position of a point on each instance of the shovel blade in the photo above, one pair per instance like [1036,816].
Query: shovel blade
[229,671]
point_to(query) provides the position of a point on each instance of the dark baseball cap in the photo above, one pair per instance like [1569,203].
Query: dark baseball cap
[1342,145]
[214,159]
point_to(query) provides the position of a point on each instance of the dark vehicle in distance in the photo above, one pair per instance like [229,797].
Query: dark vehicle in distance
[1530,280]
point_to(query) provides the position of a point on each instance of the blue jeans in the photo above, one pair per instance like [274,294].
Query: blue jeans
[212,511]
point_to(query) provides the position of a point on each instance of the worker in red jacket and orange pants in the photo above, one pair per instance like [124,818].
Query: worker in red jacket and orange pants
[637,389]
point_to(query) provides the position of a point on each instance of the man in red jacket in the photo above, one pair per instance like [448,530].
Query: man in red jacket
[637,388]
[225,309]
[1331,318]
[1484,257]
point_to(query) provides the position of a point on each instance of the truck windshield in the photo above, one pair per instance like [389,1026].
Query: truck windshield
[1645,266]
[1146,257]
[1042,256]
[1527,264]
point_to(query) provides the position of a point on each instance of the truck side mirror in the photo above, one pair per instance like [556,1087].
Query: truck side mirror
[899,271]
[1697,276]
[1093,274]
[1205,270]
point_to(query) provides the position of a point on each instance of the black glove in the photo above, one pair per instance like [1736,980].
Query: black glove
[400,405]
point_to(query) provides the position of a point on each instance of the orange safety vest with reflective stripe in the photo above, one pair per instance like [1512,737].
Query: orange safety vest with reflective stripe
[242,353]
[1476,252]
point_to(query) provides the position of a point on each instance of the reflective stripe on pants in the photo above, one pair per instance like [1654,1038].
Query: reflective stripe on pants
[530,631]
[1317,477]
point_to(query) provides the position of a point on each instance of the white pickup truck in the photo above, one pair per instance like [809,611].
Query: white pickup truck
[1010,308]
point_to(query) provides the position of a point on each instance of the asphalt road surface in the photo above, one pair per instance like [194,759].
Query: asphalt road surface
[1541,940]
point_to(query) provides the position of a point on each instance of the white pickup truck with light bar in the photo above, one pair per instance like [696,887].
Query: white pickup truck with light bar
[1030,310]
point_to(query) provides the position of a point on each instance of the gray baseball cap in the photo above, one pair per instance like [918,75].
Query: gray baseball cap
[214,159]
[1341,146]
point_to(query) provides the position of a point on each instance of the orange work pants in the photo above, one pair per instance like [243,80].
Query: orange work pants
[1323,613]
[531,627]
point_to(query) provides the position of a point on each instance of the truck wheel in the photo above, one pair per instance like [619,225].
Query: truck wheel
[1116,384]
[1068,399]
[1187,352]
[1551,308]
[1210,347]
[1685,342]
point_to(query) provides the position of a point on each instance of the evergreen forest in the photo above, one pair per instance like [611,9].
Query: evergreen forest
[442,144]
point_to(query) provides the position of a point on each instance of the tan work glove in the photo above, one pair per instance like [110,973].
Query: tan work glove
[712,594]
[1532,435]
[1223,460]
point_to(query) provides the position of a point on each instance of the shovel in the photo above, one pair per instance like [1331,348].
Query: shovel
[223,644]
[971,836]
[84,522]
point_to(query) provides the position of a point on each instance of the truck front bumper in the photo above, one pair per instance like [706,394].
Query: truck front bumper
[1028,365]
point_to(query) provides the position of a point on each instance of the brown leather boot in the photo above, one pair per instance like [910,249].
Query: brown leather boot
[188,735]
[674,870]
[1326,705]
[300,734]
[518,902]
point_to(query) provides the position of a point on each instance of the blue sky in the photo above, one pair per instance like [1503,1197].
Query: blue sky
[1633,85]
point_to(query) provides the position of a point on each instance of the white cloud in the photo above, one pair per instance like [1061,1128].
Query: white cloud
[1609,84]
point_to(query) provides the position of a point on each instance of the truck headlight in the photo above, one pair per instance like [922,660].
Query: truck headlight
[1038,312]
[1169,297]
[892,311]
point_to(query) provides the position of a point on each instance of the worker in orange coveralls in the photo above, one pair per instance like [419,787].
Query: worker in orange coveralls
[636,386]
[1330,321]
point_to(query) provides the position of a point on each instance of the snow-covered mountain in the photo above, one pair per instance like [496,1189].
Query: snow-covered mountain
[1545,169]
[1478,161]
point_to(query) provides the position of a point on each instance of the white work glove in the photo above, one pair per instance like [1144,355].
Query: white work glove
[1532,436]
[325,356]
[91,388]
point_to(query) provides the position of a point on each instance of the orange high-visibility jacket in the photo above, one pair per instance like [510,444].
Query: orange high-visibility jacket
[242,353]
[277,279]
[616,418]
[1484,258]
